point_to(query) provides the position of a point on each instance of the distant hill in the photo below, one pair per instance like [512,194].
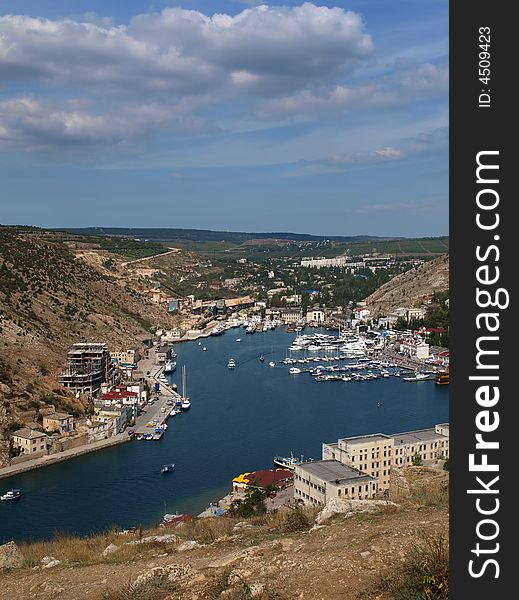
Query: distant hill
[410,288]
[201,235]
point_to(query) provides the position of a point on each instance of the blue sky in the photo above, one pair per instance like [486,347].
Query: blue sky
[325,118]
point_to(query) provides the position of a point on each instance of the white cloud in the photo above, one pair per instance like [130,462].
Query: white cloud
[409,82]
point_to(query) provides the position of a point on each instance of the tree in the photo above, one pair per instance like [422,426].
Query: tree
[446,465]
[417,460]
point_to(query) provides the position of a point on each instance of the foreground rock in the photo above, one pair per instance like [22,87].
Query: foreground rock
[10,556]
[338,506]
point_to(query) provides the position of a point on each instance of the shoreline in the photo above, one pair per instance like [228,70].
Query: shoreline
[50,459]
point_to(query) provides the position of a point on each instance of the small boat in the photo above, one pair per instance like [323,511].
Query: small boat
[238,339]
[199,343]
[139,437]
[204,349]
[170,366]
[262,358]
[11,495]
[231,364]
[169,468]
[272,363]
[186,404]
[294,370]
[417,377]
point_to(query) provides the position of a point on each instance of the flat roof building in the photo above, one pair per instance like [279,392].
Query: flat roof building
[375,454]
[317,482]
[89,366]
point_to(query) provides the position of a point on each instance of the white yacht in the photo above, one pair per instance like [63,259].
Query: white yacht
[294,370]
[231,364]
[170,366]
[11,495]
[272,363]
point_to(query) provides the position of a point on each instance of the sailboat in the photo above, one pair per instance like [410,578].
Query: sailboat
[186,404]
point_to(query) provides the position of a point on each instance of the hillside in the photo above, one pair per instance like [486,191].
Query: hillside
[410,288]
[395,552]
[52,295]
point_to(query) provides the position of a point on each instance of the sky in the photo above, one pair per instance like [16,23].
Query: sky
[312,117]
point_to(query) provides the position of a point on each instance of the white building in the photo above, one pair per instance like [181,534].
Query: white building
[414,348]
[317,482]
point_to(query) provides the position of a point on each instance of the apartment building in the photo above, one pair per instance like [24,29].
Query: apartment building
[317,482]
[375,454]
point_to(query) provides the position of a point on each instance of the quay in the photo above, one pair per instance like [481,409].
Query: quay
[49,459]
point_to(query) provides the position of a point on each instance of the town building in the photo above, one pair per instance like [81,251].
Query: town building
[57,422]
[89,366]
[315,315]
[125,357]
[317,482]
[116,417]
[375,454]
[163,354]
[414,347]
[30,442]
[262,479]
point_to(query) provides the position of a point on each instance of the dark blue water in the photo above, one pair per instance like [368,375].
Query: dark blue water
[238,421]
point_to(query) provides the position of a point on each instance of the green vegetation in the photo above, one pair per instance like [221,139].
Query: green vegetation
[425,574]
[252,505]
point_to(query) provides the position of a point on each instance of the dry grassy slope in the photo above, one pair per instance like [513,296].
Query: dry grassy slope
[344,559]
[50,298]
[410,288]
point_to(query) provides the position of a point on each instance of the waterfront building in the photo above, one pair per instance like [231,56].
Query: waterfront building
[414,347]
[375,454]
[57,422]
[30,442]
[89,366]
[317,482]
[262,479]
[163,354]
[315,315]
[114,416]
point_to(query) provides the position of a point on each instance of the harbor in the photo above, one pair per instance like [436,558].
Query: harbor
[239,420]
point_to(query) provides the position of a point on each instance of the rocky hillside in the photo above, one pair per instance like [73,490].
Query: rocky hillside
[410,288]
[392,552]
[52,296]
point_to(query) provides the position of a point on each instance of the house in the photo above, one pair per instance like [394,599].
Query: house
[116,417]
[262,479]
[317,482]
[125,357]
[99,430]
[61,423]
[361,313]
[290,315]
[30,442]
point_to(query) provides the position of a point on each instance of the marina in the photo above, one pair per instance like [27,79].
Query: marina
[243,419]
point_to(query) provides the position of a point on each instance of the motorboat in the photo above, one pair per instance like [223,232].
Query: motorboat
[170,366]
[290,462]
[262,358]
[238,339]
[272,363]
[169,468]
[199,343]
[417,377]
[186,404]
[11,495]
[231,364]
[294,370]
[204,349]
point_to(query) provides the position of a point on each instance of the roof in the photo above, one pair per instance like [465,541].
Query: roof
[332,471]
[363,439]
[28,434]
[57,416]
[263,479]
[416,437]
[119,394]
[163,349]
